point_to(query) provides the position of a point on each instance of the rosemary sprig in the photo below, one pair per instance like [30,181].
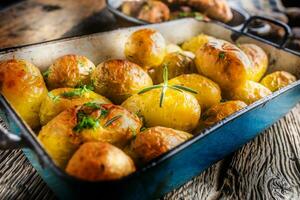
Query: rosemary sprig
[165,86]
[109,122]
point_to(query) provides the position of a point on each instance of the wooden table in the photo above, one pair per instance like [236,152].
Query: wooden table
[266,168]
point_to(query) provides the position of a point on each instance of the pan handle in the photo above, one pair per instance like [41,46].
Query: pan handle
[285,27]
[9,140]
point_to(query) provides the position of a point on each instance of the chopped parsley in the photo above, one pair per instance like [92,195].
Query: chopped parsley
[46,73]
[92,105]
[104,113]
[77,92]
[222,55]
[85,122]
[143,128]
[53,97]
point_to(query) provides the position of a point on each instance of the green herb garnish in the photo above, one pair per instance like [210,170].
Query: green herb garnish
[222,55]
[165,86]
[104,113]
[77,92]
[143,128]
[46,73]
[53,97]
[92,105]
[85,122]
[109,122]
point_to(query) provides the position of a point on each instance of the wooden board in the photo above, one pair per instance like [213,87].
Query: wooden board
[266,168]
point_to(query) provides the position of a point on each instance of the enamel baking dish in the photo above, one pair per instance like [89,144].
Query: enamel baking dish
[182,163]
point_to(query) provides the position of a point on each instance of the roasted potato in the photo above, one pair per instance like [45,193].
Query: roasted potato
[248,92]
[154,12]
[179,110]
[119,79]
[223,63]
[23,86]
[146,47]
[177,64]
[196,42]
[278,80]
[155,141]
[99,161]
[91,122]
[63,98]
[208,92]
[69,71]
[258,58]
[220,111]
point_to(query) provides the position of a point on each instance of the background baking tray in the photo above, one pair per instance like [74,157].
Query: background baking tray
[177,166]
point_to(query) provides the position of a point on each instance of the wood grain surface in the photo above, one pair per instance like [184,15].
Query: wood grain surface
[266,168]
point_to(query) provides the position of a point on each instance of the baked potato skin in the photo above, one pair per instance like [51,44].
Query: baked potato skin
[155,141]
[23,86]
[208,92]
[69,71]
[223,63]
[219,111]
[278,80]
[146,47]
[177,64]
[249,92]
[59,139]
[258,58]
[196,42]
[180,110]
[119,79]
[55,102]
[99,161]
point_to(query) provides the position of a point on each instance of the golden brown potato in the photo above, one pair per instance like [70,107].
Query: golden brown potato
[196,42]
[154,12]
[155,141]
[69,71]
[179,110]
[99,161]
[91,122]
[63,98]
[223,63]
[278,80]
[119,79]
[249,92]
[215,9]
[146,47]
[219,111]
[177,64]
[258,58]
[23,86]
[208,92]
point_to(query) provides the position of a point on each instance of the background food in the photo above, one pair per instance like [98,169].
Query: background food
[119,79]
[23,86]
[98,161]
[69,71]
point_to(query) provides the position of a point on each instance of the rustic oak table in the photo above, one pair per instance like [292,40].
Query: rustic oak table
[266,168]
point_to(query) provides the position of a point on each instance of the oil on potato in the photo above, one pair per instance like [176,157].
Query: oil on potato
[155,141]
[258,58]
[249,92]
[63,98]
[119,79]
[23,86]
[196,42]
[208,92]
[223,63]
[91,122]
[69,71]
[179,110]
[177,64]
[146,47]
[219,111]
[99,161]
[278,80]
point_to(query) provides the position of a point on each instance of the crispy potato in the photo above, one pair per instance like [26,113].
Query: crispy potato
[63,98]
[258,58]
[223,63]
[69,71]
[180,110]
[154,12]
[146,47]
[219,111]
[278,80]
[119,79]
[155,141]
[91,122]
[177,64]
[99,161]
[196,42]
[249,92]
[23,86]
[208,92]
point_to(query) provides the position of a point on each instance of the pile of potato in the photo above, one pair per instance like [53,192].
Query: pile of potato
[101,122]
